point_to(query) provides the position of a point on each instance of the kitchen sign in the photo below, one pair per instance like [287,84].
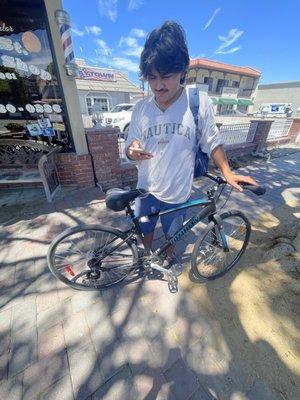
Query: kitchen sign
[96,74]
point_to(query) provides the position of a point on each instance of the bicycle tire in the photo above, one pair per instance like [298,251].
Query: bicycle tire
[68,272]
[210,241]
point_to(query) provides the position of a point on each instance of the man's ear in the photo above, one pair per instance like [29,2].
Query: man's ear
[182,79]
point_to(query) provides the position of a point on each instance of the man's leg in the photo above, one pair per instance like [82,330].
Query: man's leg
[143,207]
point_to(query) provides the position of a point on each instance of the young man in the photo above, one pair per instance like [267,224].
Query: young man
[161,136]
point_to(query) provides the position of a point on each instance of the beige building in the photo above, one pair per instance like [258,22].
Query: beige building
[104,87]
[230,87]
[278,93]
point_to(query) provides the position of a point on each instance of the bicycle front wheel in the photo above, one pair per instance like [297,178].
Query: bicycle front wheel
[91,257]
[210,258]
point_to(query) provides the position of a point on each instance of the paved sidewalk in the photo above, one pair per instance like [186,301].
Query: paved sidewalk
[135,342]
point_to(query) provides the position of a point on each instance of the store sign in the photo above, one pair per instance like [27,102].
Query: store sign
[96,74]
[6,28]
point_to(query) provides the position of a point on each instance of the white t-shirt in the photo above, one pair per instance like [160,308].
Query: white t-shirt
[170,137]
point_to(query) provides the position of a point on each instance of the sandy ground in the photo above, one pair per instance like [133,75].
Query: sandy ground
[256,309]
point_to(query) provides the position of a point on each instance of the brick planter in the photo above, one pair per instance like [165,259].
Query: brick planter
[108,168]
[74,169]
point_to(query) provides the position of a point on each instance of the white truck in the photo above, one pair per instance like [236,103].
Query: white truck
[118,117]
[274,109]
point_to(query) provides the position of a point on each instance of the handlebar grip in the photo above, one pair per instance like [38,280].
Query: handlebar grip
[258,190]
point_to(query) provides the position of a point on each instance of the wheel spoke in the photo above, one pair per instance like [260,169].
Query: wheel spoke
[92,258]
[210,259]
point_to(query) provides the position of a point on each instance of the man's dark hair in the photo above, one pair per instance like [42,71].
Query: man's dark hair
[165,50]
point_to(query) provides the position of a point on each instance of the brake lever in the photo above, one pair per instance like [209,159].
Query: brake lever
[258,190]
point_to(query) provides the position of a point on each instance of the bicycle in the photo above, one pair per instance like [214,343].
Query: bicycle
[98,257]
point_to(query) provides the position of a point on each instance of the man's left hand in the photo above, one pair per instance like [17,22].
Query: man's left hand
[234,180]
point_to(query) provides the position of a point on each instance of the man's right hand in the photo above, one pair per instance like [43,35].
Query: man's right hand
[135,151]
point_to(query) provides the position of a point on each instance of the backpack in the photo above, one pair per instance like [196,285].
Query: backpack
[201,159]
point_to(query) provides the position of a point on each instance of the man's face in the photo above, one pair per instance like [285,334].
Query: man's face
[164,86]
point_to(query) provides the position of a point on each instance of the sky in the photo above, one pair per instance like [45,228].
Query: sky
[261,34]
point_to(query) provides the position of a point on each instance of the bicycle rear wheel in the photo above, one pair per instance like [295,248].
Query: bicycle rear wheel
[210,259]
[91,257]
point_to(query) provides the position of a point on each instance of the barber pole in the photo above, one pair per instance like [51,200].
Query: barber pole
[64,24]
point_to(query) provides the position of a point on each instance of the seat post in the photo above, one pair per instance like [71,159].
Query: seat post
[129,211]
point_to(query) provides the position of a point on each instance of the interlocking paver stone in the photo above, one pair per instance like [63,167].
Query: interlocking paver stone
[61,390]
[119,387]
[39,376]
[23,350]
[184,380]
[76,331]
[85,374]
[51,341]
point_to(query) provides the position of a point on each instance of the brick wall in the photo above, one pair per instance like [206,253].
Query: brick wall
[74,169]
[294,131]
[109,171]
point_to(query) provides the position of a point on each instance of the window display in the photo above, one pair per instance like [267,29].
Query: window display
[29,88]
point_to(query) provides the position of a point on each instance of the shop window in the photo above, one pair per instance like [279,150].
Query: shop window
[98,104]
[31,104]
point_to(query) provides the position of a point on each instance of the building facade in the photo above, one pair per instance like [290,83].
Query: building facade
[283,92]
[104,88]
[230,87]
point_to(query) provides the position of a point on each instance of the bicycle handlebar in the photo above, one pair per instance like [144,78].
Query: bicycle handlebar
[258,190]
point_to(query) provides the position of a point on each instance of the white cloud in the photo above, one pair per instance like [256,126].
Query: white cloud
[125,63]
[94,30]
[217,10]
[139,33]
[108,8]
[130,46]
[77,32]
[103,49]
[135,4]
[136,52]
[233,35]
[232,50]
[128,41]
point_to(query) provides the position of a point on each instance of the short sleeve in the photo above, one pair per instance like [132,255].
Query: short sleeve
[210,137]
[134,127]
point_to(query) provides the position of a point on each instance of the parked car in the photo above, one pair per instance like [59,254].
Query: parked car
[119,117]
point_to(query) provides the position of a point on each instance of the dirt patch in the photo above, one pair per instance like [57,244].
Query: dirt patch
[257,307]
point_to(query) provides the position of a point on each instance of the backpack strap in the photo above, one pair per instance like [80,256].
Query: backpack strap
[194,103]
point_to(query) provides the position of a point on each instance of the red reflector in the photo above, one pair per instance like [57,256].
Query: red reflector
[69,270]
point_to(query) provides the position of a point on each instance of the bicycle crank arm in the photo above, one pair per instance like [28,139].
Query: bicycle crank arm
[161,269]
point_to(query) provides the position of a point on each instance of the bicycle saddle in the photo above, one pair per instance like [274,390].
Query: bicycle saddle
[118,199]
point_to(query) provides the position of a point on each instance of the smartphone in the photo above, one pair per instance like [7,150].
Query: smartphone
[140,150]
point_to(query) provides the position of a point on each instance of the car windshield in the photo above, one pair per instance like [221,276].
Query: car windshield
[121,107]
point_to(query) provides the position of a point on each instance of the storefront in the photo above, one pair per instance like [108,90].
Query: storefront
[32,105]
[39,104]
[102,89]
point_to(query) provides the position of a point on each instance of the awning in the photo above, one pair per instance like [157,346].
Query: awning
[215,100]
[245,102]
[225,101]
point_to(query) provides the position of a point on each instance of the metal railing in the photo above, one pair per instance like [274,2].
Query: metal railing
[279,129]
[238,133]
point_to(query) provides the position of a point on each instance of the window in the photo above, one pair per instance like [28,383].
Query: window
[97,104]
[235,84]
[220,84]
[31,105]
[209,81]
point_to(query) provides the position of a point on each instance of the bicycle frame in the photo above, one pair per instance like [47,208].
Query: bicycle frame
[209,208]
